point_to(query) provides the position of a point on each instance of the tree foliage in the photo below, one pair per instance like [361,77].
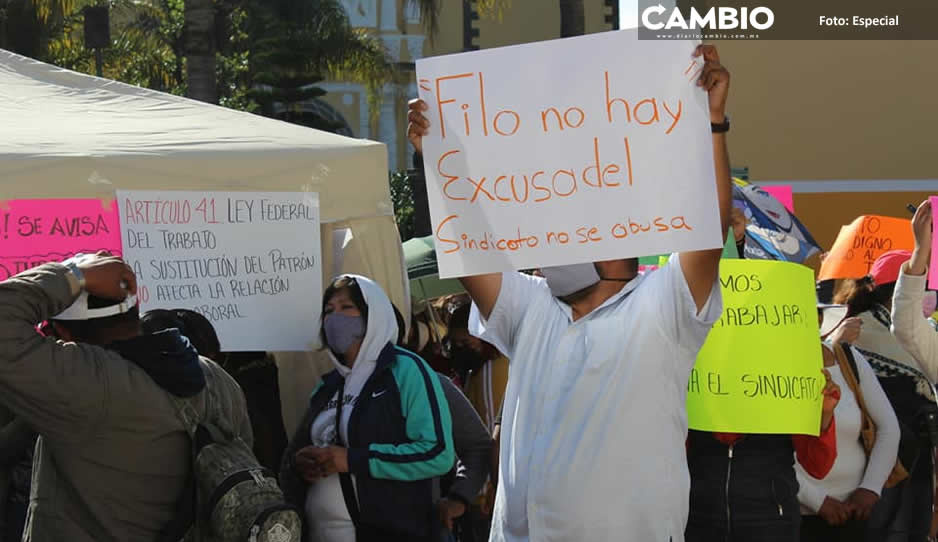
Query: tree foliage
[430,11]
[298,44]
[271,53]
[146,44]
[402,196]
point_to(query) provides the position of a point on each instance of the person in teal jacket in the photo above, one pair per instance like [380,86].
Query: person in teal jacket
[365,462]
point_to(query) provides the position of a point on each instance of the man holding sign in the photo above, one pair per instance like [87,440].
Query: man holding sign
[594,419]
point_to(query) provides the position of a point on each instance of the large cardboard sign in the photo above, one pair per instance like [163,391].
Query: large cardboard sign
[760,369]
[861,242]
[567,151]
[933,265]
[38,231]
[248,261]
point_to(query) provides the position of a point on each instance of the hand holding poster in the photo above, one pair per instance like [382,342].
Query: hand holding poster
[248,261]
[861,242]
[37,231]
[760,369]
[567,151]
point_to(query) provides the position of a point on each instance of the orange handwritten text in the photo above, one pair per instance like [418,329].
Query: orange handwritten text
[505,122]
[453,240]
[645,112]
[572,117]
[518,187]
[483,241]
[622,230]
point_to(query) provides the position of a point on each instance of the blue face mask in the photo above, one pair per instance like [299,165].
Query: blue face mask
[342,331]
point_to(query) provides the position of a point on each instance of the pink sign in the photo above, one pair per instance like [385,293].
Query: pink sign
[782,192]
[933,266]
[36,231]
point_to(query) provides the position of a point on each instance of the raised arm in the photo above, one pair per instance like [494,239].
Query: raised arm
[483,289]
[908,323]
[921,230]
[57,388]
[702,267]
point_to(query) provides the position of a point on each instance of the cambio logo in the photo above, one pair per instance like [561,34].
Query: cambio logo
[724,18]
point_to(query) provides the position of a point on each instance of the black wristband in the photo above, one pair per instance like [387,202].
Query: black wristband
[722,127]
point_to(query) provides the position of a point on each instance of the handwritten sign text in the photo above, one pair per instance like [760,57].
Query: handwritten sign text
[248,261]
[567,151]
[37,231]
[760,369]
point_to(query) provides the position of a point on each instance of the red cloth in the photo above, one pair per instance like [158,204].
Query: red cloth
[886,268]
[816,454]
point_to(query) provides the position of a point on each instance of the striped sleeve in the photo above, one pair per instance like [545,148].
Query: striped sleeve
[429,450]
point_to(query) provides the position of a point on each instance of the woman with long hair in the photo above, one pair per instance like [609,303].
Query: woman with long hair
[903,513]
[836,508]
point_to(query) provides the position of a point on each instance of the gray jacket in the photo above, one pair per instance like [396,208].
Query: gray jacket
[113,456]
[472,442]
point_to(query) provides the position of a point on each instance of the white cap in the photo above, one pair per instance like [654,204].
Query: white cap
[79,310]
[833,316]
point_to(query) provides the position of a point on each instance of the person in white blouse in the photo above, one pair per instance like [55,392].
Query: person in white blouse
[837,507]
[911,301]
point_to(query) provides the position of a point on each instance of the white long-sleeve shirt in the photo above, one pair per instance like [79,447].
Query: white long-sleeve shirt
[909,325]
[851,470]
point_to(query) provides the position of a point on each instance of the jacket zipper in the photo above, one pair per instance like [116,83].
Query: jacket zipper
[778,502]
[729,473]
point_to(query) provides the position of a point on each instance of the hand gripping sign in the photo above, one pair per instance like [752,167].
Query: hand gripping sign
[567,151]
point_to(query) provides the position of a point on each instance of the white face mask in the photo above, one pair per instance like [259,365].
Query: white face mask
[564,280]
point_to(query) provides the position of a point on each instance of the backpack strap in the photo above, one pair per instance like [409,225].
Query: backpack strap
[345,478]
[185,517]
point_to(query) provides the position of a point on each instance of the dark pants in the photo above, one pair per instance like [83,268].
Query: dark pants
[783,529]
[364,533]
[904,512]
[15,522]
[474,526]
[816,529]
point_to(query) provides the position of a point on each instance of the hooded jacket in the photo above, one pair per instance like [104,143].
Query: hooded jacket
[113,456]
[396,426]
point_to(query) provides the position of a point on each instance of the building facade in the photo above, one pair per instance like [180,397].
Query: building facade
[398,24]
[849,124]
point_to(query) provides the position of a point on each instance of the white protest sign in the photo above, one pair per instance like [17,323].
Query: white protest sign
[248,261]
[567,151]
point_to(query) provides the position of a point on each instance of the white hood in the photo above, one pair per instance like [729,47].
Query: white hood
[382,328]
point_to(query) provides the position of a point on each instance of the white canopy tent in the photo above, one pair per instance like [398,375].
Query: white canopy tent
[69,135]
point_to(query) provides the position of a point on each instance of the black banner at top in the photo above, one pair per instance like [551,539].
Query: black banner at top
[789,20]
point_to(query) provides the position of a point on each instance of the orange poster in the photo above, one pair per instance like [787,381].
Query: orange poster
[861,242]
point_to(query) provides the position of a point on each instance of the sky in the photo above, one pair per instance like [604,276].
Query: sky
[628,14]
